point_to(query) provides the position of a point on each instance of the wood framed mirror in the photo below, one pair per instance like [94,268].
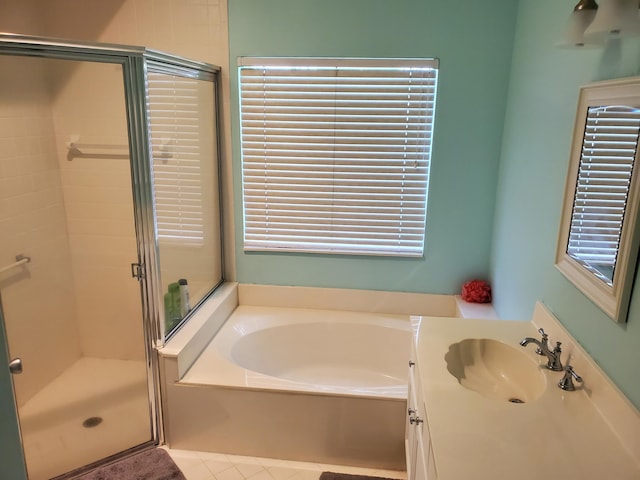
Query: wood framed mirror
[598,241]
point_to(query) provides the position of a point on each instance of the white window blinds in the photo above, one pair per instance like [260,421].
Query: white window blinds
[336,154]
[608,153]
[174,116]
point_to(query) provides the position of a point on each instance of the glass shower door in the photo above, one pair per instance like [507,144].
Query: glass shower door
[71,309]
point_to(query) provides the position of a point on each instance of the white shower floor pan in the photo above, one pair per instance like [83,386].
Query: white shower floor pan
[54,438]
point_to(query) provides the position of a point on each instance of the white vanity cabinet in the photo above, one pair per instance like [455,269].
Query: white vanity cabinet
[420,462]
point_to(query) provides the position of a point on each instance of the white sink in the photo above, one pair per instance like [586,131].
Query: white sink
[496,370]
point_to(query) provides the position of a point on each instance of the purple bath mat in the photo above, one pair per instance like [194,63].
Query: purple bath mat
[154,464]
[347,476]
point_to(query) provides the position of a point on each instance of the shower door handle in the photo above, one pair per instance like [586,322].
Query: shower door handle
[15,366]
[137,271]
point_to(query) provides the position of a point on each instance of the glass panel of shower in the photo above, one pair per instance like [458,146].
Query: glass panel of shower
[186,193]
[73,312]
[86,242]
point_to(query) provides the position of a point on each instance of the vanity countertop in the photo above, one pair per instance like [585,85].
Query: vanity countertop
[560,435]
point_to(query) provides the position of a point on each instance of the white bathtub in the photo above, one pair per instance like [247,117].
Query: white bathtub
[309,350]
[311,385]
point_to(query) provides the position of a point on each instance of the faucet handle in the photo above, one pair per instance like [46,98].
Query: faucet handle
[545,337]
[567,380]
[554,360]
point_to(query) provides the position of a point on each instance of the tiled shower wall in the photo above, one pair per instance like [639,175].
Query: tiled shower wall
[89,107]
[38,299]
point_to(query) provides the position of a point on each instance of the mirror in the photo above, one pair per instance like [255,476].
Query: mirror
[598,242]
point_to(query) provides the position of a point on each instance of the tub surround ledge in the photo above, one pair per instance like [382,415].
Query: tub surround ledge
[591,433]
[350,300]
[466,309]
[192,338]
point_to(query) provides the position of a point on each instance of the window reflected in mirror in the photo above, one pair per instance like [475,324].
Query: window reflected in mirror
[598,243]
[602,188]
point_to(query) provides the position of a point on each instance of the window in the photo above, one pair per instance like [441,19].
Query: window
[336,154]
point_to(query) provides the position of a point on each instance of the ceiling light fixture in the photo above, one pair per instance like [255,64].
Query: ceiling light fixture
[581,17]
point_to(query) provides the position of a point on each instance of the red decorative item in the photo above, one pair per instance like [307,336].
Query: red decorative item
[476,291]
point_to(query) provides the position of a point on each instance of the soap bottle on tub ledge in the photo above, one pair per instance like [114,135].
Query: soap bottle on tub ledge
[184,297]
[176,303]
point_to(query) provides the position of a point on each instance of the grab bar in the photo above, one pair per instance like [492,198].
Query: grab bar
[162,149]
[20,260]
[101,146]
[99,150]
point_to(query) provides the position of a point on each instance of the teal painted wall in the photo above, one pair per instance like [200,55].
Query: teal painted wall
[473,41]
[542,101]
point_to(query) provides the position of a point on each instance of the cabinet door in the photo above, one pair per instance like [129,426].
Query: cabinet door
[431,466]
[421,470]
[410,429]
[418,440]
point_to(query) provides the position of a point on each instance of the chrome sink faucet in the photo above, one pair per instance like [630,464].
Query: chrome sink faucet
[543,349]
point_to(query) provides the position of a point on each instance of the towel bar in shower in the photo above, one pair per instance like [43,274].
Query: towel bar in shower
[20,260]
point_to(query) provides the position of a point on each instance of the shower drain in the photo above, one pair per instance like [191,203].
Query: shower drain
[92,422]
[516,400]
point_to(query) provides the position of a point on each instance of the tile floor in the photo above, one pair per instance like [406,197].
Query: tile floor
[218,466]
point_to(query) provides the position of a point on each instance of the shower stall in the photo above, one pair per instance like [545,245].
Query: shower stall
[110,236]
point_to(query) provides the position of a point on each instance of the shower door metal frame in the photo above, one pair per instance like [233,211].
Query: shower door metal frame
[134,62]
